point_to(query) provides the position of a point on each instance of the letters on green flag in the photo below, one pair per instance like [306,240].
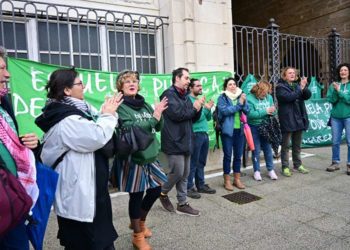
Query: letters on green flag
[28,80]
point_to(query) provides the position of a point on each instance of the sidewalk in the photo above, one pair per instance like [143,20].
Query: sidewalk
[301,212]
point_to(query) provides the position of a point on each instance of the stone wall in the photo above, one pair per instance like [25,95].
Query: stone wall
[308,18]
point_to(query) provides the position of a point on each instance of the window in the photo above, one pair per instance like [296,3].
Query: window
[13,38]
[53,43]
[129,50]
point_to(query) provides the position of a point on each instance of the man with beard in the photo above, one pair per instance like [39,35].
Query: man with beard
[200,147]
[177,140]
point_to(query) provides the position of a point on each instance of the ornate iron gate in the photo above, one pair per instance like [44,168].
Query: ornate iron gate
[264,51]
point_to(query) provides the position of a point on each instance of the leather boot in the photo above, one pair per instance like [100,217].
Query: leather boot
[139,241]
[237,181]
[145,230]
[227,182]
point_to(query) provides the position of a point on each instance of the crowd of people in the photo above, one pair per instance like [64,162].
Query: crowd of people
[83,139]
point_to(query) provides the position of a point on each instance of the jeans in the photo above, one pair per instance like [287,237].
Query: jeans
[296,137]
[261,143]
[232,143]
[198,160]
[338,126]
[179,166]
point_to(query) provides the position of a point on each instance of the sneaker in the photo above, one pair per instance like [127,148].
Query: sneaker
[257,176]
[192,193]
[286,172]
[187,210]
[166,203]
[273,175]
[348,169]
[206,189]
[302,169]
[333,167]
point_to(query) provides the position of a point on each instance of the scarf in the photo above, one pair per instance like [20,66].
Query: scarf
[3,92]
[23,158]
[233,96]
[182,92]
[135,103]
[79,104]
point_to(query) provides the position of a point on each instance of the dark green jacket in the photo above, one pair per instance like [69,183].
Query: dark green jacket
[144,119]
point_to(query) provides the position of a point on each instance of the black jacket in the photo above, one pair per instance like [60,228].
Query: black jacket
[291,106]
[177,135]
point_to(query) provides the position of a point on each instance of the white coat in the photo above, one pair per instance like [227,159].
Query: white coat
[75,194]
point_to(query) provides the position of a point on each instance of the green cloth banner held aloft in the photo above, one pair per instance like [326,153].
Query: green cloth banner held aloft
[28,80]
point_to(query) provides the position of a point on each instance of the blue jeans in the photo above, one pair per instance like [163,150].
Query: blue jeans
[261,143]
[338,126]
[232,143]
[198,160]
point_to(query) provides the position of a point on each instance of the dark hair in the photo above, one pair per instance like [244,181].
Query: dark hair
[227,80]
[339,67]
[191,85]
[178,73]
[59,80]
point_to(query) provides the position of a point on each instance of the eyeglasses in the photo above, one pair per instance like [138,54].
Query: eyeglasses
[79,83]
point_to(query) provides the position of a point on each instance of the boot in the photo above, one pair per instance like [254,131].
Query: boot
[227,182]
[139,241]
[237,181]
[145,230]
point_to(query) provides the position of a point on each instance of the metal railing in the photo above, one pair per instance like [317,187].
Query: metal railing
[263,52]
[81,36]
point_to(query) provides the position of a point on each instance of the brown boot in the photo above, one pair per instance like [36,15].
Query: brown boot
[227,182]
[139,241]
[146,231]
[237,181]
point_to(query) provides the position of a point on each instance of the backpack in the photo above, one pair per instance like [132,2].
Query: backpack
[14,200]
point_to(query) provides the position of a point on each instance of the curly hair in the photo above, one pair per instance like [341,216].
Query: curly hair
[339,67]
[261,89]
[125,74]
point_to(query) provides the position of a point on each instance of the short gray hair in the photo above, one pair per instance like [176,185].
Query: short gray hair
[3,52]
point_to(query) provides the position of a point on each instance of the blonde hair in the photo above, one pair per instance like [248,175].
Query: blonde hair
[123,76]
[261,89]
[284,72]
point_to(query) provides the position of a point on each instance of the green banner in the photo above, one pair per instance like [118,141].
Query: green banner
[28,80]
[318,134]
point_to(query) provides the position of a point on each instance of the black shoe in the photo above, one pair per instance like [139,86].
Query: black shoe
[166,203]
[192,193]
[206,190]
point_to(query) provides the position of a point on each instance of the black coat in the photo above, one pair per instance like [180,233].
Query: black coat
[291,106]
[177,135]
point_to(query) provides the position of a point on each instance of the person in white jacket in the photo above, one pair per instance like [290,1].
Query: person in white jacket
[77,134]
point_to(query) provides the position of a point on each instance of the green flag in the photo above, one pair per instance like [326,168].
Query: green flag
[248,83]
[28,80]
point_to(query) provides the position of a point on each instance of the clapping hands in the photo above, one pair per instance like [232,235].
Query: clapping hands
[159,108]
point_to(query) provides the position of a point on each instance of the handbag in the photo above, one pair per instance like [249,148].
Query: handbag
[131,140]
[14,200]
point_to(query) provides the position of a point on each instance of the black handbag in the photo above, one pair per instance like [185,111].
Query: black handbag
[131,140]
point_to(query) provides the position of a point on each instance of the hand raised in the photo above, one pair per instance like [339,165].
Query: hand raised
[159,108]
[111,104]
